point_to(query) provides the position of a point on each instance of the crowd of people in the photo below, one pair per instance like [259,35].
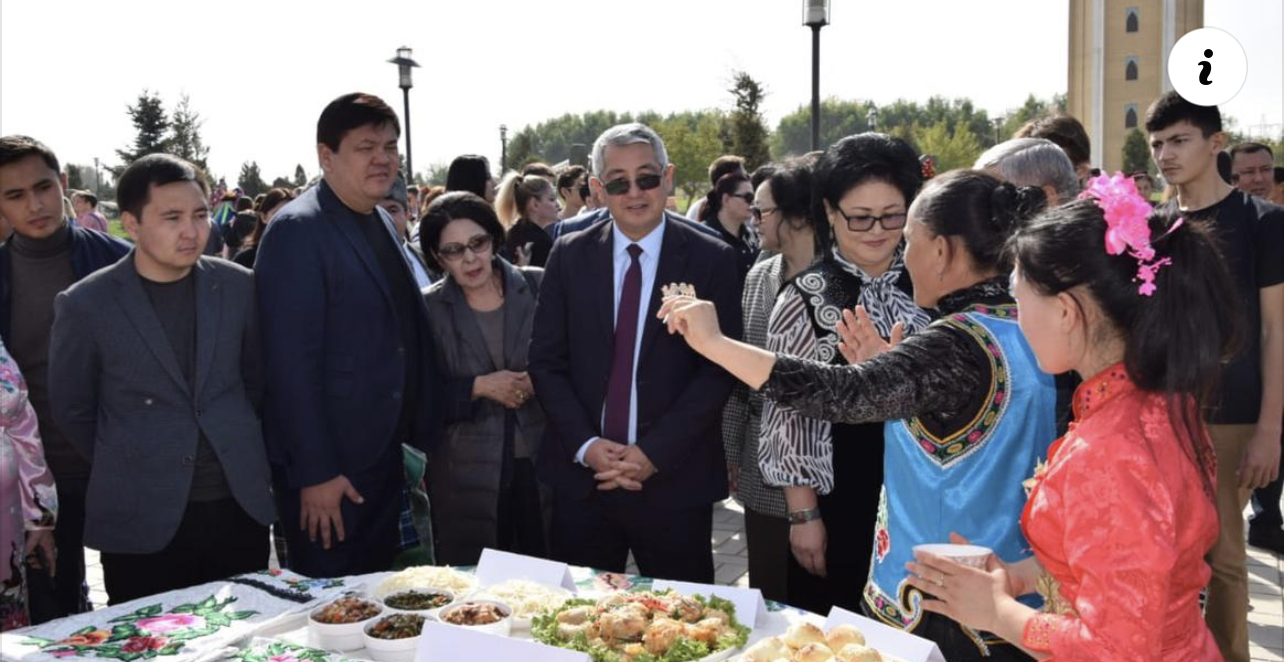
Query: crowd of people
[869,356]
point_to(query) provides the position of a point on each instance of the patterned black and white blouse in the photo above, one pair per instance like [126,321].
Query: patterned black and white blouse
[797,449]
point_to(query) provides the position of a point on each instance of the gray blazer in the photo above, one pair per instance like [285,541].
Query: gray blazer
[464,470]
[117,392]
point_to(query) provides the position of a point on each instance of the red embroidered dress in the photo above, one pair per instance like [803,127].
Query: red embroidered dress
[1120,522]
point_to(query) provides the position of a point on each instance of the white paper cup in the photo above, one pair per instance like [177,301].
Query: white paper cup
[969,555]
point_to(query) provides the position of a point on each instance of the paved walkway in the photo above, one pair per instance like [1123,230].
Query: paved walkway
[731,566]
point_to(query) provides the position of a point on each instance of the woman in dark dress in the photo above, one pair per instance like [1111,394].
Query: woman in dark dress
[527,206]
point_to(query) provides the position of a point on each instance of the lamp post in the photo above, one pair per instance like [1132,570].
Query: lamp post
[871,118]
[998,126]
[815,16]
[404,64]
[503,148]
[98,180]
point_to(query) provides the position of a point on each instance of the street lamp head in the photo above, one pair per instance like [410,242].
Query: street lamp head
[872,118]
[503,131]
[404,64]
[815,13]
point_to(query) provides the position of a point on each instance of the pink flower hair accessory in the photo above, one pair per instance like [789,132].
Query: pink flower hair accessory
[1126,227]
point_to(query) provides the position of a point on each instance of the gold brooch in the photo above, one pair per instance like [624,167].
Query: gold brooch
[678,290]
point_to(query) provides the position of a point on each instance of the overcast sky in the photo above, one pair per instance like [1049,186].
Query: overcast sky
[260,72]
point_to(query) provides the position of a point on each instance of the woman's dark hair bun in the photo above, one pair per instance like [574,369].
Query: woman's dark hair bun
[1012,205]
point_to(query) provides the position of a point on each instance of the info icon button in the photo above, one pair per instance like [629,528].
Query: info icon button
[1207,67]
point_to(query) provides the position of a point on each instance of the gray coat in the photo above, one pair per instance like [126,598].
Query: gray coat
[464,470]
[117,391]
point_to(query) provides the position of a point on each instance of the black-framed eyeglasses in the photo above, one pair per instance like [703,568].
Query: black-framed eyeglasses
[454,252]
[622,185]
[747,197]
[759,212]
[865,222]
[584,191]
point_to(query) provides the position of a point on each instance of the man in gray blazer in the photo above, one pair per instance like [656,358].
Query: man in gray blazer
[154,375]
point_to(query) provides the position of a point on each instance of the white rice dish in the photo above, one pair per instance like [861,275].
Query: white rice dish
[426,576]
[525,597]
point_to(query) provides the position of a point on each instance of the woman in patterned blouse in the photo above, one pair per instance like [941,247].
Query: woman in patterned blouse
[864,185]
[969,413]
[27,496]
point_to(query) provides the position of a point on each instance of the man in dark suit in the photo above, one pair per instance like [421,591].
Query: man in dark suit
[632,449]
[154,370]
[347,348]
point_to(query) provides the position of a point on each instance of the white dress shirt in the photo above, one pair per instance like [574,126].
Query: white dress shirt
[648,261]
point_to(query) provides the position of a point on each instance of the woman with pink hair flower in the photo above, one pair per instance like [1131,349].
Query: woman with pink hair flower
[1122,515]
[28,502]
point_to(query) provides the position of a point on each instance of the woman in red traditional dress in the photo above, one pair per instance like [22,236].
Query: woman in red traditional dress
[1121,516]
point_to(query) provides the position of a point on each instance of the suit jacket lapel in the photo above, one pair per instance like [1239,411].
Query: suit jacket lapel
[139,310]
[673,257]
[345,219]
[207,322]
[601,271]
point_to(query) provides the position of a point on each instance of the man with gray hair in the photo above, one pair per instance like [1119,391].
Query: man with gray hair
[632,449]
[1033,162]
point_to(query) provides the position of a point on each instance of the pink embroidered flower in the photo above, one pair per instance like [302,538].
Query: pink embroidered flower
[975,436]
[884,543]
[144,644]
[166,623]
[998,397]
[1127,229]
[283,657]
[927,446]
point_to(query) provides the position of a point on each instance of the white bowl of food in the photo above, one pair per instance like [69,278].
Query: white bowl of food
[337,624]
[422,601]
[490,616]
[393,637]
[527,599]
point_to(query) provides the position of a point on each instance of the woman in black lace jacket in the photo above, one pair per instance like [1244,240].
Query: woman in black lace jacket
[968,412]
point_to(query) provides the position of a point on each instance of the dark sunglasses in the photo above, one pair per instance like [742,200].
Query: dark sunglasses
[865,222]
[584,191]
[454,252]
[759,212]
[747,197]
[622,185]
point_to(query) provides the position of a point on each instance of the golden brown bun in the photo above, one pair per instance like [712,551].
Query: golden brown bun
[841,635]
[767,650]
[813,653]
[802,634]
[858,653]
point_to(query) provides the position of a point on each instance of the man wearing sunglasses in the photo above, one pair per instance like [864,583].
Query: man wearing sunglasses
[632,448]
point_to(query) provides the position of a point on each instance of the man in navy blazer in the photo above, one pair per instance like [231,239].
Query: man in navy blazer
[347,349]
[632,448]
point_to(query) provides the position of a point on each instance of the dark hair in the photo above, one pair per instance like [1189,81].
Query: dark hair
[1279,175]
[761,174]
[725,165]
[134,188]
[268,202]
[569,177]
[412,190]
[469,172]
[1064,130]
[452,206]
[89,198]
[1225,167]
[1251,148]
[539,170]
[980,209]
[726,185]
[429,195]
[352,111]
[1170,108]
[790,187]
[15,148]
[244,203]
[1167,349]
[853,161]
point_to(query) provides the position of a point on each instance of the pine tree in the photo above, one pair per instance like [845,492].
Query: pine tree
[251,179]
[749,135]
[185,135]
[1136,153]
[151,123]
[300,176]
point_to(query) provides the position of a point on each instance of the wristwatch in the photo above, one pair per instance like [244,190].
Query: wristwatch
[803,516]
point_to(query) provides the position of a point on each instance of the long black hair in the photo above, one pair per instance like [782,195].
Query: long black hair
[981,210]
[1176,339]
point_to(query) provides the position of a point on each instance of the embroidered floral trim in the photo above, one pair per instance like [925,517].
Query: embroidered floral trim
[279,651]
[969,439]
[903,612]
[1037,635]
[882,535]
[146,633]
[1100,389]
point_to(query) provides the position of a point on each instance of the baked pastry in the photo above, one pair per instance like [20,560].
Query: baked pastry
[813,653]
[841,635]
[858,653]
[767,650]
[802,634]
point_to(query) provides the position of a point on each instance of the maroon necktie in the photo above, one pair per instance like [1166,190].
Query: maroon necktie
[619,389]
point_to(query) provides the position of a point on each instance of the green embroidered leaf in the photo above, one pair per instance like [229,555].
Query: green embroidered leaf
[125,657]
[85,630]
[220,620]
[185,608]
[241,615]
[148,612]
[207,603]
[40,641]
[124,632]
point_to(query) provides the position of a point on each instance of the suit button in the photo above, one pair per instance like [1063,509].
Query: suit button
[396,395]
[200,412]
[188,459]
[148,402]
[401,351]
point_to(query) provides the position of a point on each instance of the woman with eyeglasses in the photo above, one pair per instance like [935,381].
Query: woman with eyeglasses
[832,472]
[727,210]
[782,206]
[527,205]
[481,478]
[969,414]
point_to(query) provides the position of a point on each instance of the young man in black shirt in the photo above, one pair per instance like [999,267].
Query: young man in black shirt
[1245,422]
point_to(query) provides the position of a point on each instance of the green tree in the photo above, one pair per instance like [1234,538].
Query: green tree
[1136,153]
[550,141]
[251,179]
[749,134]
[300,176]
[150,125]
[953,150]
[693,140]
[185,134]
[436,175]
[75,179]
[283,182]
[839,118]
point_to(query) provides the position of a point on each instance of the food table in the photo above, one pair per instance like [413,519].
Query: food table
[264,617]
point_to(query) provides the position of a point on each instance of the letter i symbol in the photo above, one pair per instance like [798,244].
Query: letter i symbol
[1206,68]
